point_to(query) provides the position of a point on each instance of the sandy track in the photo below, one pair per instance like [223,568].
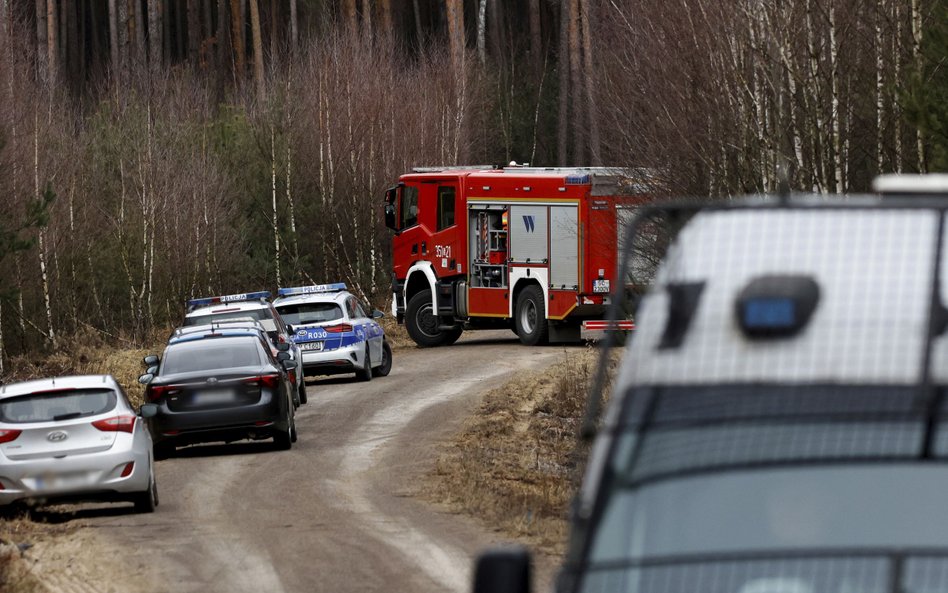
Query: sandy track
[336,513]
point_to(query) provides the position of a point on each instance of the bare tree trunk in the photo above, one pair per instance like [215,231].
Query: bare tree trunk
[562,64]
[917,62]
[386,10]
[273,178]
[274,22]
[536,41]
[194,31]
[225,47]
[576,82]
[155,37]
[42,45]
[897,73]
[351,15]
[114,42]
[880,85]
[481,31]
[590,71]
[367,30]
[834,113]
[51,334]
[419,31]
[257,50]
[240,63]
[455,14]
[52,40]
[294,27]
[122,26]
[141,49]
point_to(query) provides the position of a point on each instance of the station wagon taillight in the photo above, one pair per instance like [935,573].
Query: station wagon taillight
[116,424]
[7,435]
[337,329]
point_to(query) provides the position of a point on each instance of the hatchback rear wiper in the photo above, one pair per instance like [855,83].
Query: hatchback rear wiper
[68,416]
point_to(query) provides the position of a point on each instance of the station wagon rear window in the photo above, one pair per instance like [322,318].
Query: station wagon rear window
[304,313]
[57,405]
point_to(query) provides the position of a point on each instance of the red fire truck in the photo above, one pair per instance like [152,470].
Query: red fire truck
[531,249]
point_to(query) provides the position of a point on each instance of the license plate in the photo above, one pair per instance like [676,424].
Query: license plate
[213,397]
[600,286]
[311,346]
[63,481]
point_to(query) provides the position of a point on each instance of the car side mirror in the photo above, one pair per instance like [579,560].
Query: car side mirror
[146,378]
[150,360]
[288,365]
[376,314]
[148,410]
[290,329]
[152,370]
[283,346]
[283,356]
[504,569]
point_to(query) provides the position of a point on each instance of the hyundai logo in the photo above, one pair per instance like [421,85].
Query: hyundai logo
[57,436]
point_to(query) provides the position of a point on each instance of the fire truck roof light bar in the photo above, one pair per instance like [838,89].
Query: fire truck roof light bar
[230,298]
[315,289]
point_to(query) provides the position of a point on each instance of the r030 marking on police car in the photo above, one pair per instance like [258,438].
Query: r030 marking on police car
[308,334]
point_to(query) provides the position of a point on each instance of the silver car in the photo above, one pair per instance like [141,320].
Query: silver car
[74,439]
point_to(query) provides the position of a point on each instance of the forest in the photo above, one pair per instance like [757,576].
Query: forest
[157,150]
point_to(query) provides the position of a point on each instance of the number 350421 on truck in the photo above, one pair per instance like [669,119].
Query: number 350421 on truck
[530,249]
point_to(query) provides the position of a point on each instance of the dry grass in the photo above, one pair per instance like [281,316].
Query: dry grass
[396,335]
[92,353]
[17,535]
[517,462]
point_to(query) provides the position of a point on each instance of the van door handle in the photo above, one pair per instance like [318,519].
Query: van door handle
[424,248]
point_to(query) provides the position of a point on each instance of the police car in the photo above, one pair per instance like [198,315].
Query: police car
[334,332]
[250,306]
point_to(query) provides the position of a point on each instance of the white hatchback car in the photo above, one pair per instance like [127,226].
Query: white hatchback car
[73,439]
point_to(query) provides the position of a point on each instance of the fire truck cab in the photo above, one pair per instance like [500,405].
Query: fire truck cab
[531,249]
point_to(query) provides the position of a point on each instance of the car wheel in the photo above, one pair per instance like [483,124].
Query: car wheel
[164,450]
[283,440]
[365,373]
[303,397]
[422,323]
[386,367]
[530,319]
[145,502]
[294,435]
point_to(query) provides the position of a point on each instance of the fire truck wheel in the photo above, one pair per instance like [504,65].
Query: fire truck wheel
[422,323]
[530,319]
[452,336]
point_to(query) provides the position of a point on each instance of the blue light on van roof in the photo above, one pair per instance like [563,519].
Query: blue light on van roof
[577,179]
[777,306]
[315,289]
[769,313]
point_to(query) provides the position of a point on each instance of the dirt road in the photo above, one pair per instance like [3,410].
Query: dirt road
[333,514]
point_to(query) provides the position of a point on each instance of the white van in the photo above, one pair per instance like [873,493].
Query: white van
[779,423]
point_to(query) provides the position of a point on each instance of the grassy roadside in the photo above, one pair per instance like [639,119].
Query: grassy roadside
[516,462]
